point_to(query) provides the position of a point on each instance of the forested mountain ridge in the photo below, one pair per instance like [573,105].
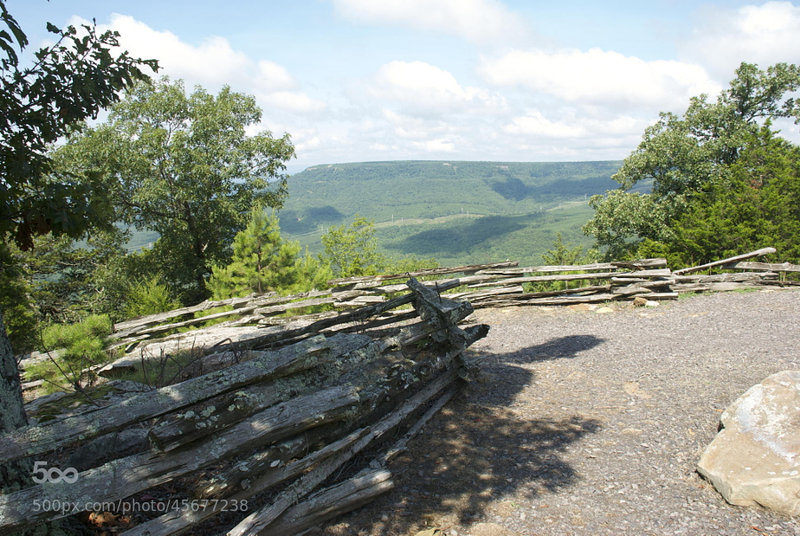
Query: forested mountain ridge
[456,211]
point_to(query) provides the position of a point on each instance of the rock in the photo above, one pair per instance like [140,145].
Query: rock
[34,358]
[633,389]
[641,301]
[35,405]
[755,458]
[604,310]
[491,529]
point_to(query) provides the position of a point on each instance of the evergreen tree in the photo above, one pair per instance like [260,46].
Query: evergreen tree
[147,297]
[563,253]
[264,262]
[755,204]
[16,303]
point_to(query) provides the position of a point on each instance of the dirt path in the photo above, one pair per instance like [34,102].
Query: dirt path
[586,423]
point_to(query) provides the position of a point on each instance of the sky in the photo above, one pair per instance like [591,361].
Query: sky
[491,80]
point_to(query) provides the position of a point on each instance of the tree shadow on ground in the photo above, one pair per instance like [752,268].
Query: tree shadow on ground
[483,448]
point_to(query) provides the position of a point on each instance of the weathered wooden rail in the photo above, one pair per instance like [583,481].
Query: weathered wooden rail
[265,433]
[364,303]
[342,306]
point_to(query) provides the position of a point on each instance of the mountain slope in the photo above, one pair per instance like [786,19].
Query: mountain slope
[454,211]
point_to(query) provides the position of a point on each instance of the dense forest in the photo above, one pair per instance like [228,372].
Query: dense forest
[431,189]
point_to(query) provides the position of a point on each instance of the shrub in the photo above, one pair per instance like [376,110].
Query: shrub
[149,296]
[563,254]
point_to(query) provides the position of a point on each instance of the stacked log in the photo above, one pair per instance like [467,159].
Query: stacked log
[260,320]
[277,428]
[593,283]
[344,296]
[280,406]
[349,301]
[744,275]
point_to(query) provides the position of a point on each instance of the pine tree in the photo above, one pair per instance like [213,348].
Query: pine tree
[264,262]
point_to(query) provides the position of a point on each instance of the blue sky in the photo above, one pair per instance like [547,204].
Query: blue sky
[355,80]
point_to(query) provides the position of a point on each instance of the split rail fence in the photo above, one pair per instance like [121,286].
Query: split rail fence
[298,430]
[486,285]
[281,405]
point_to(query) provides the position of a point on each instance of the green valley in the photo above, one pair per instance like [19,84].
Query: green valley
[457,212]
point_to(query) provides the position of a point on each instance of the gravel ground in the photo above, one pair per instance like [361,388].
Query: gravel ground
[591,422]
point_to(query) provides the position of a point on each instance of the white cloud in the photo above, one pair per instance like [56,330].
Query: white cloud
[413,128]
[412,109]
[567,127]
[438,146]
[598,77]
[291,101]
[214,63]
[479,21]
[419,88]
[274,76]
[535,124]
[307,139]
[764,34]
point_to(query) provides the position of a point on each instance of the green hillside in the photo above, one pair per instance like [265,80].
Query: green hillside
[458,212]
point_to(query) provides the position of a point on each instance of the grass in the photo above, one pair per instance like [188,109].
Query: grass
[60,375]
[82,347]
[746,290]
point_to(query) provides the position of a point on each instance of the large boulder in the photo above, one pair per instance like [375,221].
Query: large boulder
[755,458]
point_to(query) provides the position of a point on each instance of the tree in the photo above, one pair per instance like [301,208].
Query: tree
[264,262]
[69,82]
[184,166]
[621,219]
[683,156]
[72,80]
[16,306]
[352,250]
[565,254]
[66,278]
[756,205]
